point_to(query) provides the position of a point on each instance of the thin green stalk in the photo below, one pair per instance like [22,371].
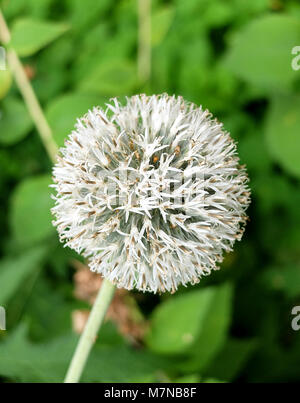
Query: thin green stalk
[144,40]
[107,290]
[89,334]
[27,92]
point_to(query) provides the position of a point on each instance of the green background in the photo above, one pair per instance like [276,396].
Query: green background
[235,58]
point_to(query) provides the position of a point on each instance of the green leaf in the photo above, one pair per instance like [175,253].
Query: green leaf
[24,361]
[176,322]
[261,52]
[85,13]
[231,359]
[49,317]
[213,332]
[161,23]
[13,8]
[20,7]
[111,78]
[15,122]
[63,112]
[30,213]
[123,364]
[282,132]
[182,321]
[13,271]
[29,36]
[5,82]
[217,14]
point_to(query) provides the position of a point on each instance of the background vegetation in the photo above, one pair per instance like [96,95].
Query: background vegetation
[233,57]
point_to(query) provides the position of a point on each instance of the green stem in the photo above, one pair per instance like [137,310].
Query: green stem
[107,290]
[89,334]
[28,94]
[144,40]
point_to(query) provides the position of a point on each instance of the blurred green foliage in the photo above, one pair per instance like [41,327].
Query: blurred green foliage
[235,58]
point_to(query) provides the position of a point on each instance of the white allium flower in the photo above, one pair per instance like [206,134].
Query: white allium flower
[151,192]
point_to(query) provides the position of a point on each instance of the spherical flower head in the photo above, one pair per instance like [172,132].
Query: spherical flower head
[151,192]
